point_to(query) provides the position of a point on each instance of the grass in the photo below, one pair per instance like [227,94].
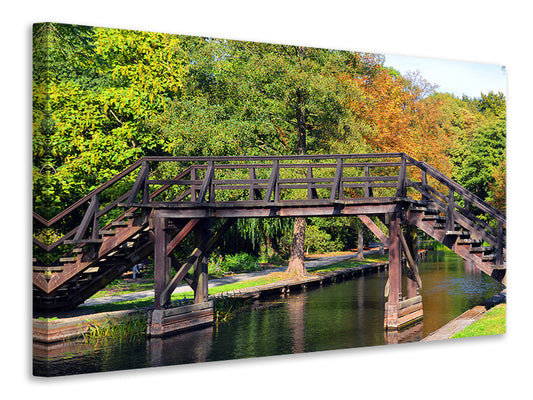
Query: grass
[492,323]
[270,278]
[118,329]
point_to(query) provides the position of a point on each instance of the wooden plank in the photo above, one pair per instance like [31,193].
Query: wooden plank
[400,191]
[209,175]
[87,218]
[413,265]
[375,229]
[161,262]
[395,267]
[139,182]
[181,235]
[336,190]
[274,176]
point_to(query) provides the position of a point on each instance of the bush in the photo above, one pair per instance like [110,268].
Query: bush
[240,262]
[318,241]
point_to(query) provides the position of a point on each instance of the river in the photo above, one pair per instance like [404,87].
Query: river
[344,315]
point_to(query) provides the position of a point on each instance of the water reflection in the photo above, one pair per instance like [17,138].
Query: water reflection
[344,315]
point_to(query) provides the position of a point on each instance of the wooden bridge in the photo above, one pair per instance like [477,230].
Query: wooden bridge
[153,205]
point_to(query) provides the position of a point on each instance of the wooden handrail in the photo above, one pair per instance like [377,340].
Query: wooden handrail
[457,188]
[336,183]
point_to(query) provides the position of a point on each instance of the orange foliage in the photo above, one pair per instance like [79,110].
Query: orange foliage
[402,120]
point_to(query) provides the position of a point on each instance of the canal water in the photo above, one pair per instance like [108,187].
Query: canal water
[344,315]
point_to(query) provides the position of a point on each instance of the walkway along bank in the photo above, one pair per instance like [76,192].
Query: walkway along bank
[208,195]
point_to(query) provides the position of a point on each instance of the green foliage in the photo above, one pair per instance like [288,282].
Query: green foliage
[232,263]
[318,241]
[103,98]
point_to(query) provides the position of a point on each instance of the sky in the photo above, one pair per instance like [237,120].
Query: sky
[456,77]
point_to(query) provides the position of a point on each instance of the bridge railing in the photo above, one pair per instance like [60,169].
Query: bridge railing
[461,207]
[269,180]
[272,179]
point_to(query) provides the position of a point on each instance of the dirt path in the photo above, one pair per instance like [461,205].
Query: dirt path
[319,262]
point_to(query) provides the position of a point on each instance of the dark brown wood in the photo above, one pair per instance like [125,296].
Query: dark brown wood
[395,267]
[337,189]
[207,184]
[375,229]
[368,189]
[195,199]
[203,249]
[161,262]
[450,212]
[311,191]
[272,182]
[181,235]
[400,191]
[410,249]
[88,218]
[202,233]
[140,183]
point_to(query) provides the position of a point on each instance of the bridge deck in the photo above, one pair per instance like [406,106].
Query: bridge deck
[91,246]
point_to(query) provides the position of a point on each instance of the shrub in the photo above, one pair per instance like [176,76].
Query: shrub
[318,241]
[240,262]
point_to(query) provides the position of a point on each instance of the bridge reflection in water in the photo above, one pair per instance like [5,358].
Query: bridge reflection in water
[344,315]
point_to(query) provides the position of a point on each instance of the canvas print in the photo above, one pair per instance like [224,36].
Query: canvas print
[199,199]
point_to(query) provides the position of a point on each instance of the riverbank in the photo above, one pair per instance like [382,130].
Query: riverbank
[114,309]
[466,319]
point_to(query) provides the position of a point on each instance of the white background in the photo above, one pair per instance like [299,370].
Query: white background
[494,32]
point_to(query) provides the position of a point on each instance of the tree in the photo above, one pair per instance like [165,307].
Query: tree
[99,103]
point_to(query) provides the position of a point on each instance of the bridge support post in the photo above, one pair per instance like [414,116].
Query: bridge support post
[395,273]
[202,234]
[161,260]
[399,311]
[412,247]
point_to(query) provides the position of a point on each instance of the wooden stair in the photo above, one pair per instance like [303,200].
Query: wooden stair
[90,266]
[465,242]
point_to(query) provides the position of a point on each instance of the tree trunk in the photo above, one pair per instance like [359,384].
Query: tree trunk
[360,243]
[296,262]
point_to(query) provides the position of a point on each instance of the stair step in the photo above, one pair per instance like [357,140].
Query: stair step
[47,269]
[457,233]
[77,250]
[89,241]
[120,223]
[106,232]
[68,259]
[499,267]
[470,241]
[481,249]
[489,257]
[433,217]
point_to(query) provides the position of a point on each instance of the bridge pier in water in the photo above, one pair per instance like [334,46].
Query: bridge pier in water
[402,311]
[165,319]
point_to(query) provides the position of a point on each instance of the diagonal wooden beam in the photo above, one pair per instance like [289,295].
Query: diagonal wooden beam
[374,228]
[181,235]
[336,190]
[208,178]
[410,260]
[139,183]
[272,181]
[198,252]
[87,218]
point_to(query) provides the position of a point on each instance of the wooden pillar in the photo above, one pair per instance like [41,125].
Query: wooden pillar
[161,260]
[412,244]
[202,234]
[395,273]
